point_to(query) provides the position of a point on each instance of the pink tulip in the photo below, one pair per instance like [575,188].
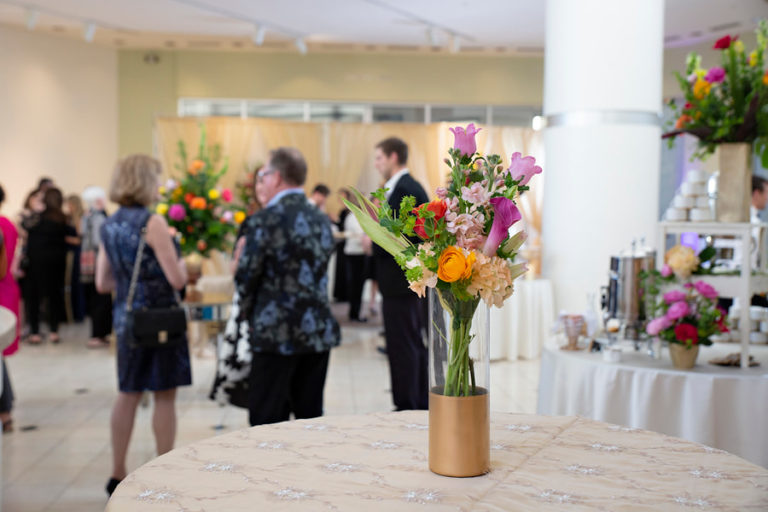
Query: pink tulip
[504,216]
[464,139]
[523,169]
[177,212]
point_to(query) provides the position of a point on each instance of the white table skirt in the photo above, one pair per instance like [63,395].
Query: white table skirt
[726,408]
[519,328]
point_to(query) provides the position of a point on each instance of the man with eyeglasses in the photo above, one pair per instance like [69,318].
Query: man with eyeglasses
[282,282]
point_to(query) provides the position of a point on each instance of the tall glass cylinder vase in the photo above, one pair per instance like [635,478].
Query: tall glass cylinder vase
[459,380]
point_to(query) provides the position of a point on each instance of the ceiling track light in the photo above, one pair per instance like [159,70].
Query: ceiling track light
[258,36]
[89,31]
[301,45]
[32,15]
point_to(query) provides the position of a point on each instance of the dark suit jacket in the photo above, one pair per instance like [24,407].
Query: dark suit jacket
[391,278]
[282,278]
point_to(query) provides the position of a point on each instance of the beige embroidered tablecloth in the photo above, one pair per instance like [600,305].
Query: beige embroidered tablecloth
[379,463]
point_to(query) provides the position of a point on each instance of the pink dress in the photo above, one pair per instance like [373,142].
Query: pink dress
[9,290]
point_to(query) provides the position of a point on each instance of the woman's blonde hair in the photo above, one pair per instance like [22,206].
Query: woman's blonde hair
[134,181]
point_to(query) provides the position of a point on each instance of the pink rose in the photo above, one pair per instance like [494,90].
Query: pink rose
[715,75]
[674,296]
[705,290]
[657,325]
[678,310]
[177,212]
[226,195]
[666,271]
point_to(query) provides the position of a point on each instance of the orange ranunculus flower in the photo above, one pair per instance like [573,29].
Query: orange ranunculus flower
[196,165]
[765,78]
[452,265]
[682,121]
[197,203]
[188,197]
[201,245]
[701,88]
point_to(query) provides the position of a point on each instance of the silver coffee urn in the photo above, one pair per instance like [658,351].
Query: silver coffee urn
[622,299]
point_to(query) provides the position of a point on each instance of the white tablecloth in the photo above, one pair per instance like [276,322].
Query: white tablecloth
[379,463]
[519,328]
[726,408]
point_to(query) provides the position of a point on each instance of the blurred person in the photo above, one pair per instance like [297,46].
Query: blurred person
[48,239]
[340,272]
[282,283]
[99,305]
[9,298]
[354,256]
[402,309]
[73,209]
[161,370]
[319,196]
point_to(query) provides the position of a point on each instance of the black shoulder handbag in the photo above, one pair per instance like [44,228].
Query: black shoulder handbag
[153,327]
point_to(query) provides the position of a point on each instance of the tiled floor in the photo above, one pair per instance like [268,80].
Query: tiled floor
[65,391]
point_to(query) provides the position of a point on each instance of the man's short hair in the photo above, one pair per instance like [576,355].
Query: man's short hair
[290,163]
[397,146]
[758,183]
[321,189]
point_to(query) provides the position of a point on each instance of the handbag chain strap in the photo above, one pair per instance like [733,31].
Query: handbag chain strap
[137,268]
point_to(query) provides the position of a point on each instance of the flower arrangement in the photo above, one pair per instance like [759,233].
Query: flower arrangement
[200,212]
[459,243]
[245,189]
[689,316]
[727,103]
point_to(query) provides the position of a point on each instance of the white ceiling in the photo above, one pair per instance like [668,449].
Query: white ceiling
[498,25]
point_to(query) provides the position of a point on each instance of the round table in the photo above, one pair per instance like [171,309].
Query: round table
[723,407]
[378,462]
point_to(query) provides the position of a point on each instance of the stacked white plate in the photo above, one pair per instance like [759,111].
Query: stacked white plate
[691,203]
[758,325]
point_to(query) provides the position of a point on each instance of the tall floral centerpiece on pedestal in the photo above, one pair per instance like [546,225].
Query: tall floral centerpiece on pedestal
[458,247]
[195,205]
[726,107]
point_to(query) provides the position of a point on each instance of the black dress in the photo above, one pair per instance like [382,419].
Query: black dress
[138,368]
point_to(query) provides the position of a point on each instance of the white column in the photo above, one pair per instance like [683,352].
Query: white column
[602,100]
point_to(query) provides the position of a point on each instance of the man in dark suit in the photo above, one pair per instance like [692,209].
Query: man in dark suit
[282,281]
[402,310]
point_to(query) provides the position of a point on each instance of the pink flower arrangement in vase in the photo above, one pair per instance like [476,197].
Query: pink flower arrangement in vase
[687,318]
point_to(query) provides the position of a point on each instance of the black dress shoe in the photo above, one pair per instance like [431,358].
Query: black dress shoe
[112,485]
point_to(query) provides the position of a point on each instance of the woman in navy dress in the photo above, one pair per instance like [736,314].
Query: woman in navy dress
[161,370]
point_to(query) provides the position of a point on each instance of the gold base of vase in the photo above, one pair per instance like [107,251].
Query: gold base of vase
[459,434]
[683,358]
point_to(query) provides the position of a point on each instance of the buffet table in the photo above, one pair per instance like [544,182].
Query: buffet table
[723,407]
[379,463]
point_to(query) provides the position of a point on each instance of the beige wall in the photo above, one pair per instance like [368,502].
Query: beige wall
[346,77]
[58,100]
[148,90]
